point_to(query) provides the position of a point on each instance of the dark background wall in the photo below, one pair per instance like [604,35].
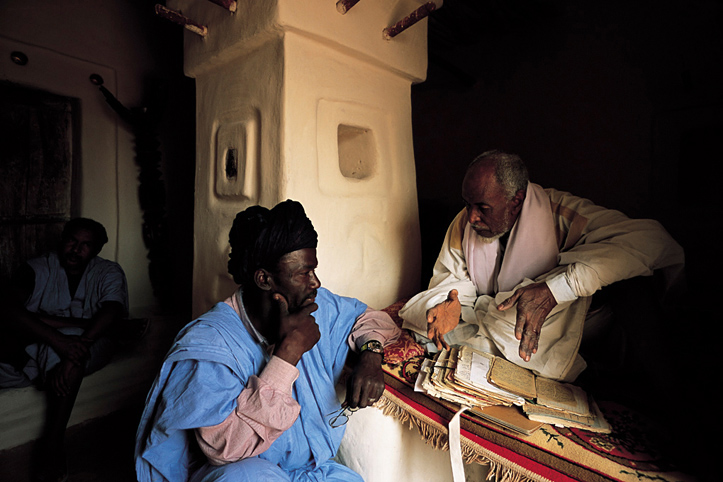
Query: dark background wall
[619,102]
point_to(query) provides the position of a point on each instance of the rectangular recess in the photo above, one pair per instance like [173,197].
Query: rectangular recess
[237,158]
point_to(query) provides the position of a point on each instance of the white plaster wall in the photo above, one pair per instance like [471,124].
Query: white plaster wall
[359,32]
[368,228]
[67,40]
[234,110]
[287,73]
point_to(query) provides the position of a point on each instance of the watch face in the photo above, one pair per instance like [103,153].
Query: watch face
[374,346]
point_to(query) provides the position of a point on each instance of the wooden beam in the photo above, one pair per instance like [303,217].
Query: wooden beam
[344,6]
[409,20]
[178,18]
[229,5]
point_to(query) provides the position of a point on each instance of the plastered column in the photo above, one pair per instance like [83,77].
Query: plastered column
[298,101]
[348,156]
[238,121]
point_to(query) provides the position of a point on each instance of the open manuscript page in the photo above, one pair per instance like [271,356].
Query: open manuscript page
[562,396]
[513,378]
[473,369]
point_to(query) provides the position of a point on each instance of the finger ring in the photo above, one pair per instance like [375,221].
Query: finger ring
[372,400]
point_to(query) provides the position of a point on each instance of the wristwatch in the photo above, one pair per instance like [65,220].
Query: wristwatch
[373,346]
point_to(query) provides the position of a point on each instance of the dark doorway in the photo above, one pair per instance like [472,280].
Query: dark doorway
[39,154]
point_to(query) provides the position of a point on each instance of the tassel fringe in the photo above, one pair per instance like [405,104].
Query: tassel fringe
[436,436]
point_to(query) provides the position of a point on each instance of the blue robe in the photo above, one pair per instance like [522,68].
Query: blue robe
[206,370]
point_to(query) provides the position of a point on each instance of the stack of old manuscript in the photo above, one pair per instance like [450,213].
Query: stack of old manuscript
[481,381]
[549,401]
[460,375]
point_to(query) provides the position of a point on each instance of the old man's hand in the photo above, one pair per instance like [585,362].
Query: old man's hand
[443,318]
[534,303]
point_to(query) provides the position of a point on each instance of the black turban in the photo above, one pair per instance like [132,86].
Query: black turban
[260,237]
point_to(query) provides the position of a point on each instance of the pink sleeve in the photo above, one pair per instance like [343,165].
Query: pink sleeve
[373,325]
[265,409]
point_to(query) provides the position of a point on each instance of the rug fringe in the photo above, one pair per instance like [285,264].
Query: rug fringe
[431,435]
[438,439]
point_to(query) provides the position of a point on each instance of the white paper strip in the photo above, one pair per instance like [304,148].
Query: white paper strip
[455,446]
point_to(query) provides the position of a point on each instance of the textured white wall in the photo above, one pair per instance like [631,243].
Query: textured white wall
[368,227]
[274,83]
[234,110]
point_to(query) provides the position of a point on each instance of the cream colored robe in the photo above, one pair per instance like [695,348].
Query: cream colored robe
[597,247]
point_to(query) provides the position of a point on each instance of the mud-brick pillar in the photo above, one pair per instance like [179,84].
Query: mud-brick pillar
[297,101]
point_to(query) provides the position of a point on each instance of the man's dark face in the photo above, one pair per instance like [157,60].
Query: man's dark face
[76,250]
[490,212]
[295,279]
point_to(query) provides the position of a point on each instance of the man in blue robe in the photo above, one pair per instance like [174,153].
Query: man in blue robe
[247,391]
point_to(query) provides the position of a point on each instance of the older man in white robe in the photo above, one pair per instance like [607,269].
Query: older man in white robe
[519,265]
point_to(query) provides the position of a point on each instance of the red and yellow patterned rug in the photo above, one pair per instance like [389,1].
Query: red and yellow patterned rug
[549,454]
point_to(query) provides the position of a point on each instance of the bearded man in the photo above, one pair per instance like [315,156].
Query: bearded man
[519,265]
[247,392]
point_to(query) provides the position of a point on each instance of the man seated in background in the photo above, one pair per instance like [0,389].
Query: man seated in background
[247,391]
[58,309]
[519,265]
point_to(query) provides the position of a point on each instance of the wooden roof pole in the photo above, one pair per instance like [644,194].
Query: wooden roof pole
[409,20]
[180,19]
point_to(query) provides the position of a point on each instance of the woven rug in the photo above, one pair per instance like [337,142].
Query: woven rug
[549,454]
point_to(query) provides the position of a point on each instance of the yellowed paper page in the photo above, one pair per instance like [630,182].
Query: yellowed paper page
[513,378]
[473,369]
[562,396]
